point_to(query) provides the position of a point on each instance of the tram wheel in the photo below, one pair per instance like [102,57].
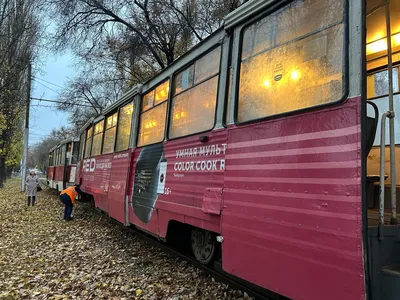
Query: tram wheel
[203,245]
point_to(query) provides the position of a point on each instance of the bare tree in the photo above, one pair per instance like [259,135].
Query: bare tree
[121,43]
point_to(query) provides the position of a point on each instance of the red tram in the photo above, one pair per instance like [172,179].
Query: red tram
[61,171]
[262,140]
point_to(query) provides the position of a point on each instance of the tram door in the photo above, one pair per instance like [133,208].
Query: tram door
[379,59]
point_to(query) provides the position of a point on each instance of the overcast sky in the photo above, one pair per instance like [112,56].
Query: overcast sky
[46,84]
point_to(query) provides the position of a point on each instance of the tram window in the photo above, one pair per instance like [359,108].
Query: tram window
[97,138]
[88,141]
[193,109]
[124,127]
[63,154]
[81,145]
[378,83]
[75,152]
[58,156]
[292,59]
[109,134]
[152,121]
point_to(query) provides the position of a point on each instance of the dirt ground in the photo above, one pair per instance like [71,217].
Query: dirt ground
[44,257]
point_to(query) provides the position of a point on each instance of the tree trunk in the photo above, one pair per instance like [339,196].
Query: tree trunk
[2,171]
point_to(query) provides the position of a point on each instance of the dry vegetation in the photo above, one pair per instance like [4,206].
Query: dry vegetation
[44,257]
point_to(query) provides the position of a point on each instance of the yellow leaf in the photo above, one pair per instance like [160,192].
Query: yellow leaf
[138,292]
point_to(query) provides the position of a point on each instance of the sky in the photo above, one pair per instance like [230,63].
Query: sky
[47,83]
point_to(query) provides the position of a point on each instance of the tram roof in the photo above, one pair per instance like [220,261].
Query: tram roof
[248,10]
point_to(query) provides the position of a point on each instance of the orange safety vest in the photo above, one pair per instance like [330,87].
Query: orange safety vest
[70,191]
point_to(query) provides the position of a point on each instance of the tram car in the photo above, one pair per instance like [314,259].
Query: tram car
[61,170]
[270,147]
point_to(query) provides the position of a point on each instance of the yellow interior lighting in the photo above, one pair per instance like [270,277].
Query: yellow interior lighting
[295,75]
[381,45]
[267,83]
[377,46]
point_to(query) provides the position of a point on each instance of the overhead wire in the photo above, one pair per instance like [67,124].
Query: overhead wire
[35,77]
[60,102]
[45,86]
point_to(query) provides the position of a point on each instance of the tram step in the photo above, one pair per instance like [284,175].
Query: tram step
[390,282]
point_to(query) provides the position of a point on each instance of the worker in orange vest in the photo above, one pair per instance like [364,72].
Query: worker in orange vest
[67,197]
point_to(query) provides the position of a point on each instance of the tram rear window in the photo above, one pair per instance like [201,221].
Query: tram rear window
[292,59]
[195,96]
[153,116]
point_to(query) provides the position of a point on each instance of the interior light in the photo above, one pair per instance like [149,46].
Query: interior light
[267,83]
[295,74]
[177,116]
[182,114]
[396,39]
[377,46]
[154,123]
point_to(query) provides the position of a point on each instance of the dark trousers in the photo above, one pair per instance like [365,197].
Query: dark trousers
[33,200]
[66,200]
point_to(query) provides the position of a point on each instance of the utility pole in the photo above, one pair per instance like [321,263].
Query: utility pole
[26,132]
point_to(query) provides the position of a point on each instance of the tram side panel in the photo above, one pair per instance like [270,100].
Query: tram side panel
[118,185]
[179,180]
[78,174]
[96,172]
[292,204]
[58,177]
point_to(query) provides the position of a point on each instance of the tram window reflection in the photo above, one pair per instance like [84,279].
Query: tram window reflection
[152,120]
[292,59]
[124,127]
[193,108]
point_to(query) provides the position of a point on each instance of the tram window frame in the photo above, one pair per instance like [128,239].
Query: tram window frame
[193,86]
[142,112]
[99,134]
[63,154]
[119,123]
[345,66]
[58,156]
[75,152]
[108,129]
[82,142]
[88,141]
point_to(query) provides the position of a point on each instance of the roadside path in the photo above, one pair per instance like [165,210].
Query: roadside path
[44,257]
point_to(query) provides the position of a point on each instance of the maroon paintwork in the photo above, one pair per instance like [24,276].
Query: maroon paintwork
[50,173]
[59,173]
[288,203]
[186,189]
[292,204]
[105,178]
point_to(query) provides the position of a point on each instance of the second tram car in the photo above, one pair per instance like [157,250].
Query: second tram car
[263,148]
[61,170]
